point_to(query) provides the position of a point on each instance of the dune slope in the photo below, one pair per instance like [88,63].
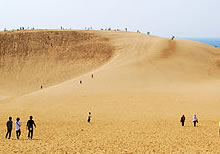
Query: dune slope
[29,59]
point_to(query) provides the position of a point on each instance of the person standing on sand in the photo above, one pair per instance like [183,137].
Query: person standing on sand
[18,128]
[195,120]
[89,117]
[173,37]
[182,120]
[9,128]
[30,127]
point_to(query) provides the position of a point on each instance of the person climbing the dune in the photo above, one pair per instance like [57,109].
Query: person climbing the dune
[89,117]
[173,37]
[195,120]
[9,128]
[30,127]
[80,81]
[182,120]
[18,128]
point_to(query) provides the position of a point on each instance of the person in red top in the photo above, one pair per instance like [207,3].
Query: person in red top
[182,120]
[9,128]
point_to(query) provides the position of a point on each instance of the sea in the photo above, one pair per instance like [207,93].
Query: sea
[210,41]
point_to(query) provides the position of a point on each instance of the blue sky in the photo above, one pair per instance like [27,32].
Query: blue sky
[182,18]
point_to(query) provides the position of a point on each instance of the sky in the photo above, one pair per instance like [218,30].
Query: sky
[182,18]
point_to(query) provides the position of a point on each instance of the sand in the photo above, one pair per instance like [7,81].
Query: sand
[141,87]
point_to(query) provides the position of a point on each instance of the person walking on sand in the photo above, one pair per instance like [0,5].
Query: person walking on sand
[18,128]
[9,128]
[182,120]
[173,37]
[195,120]
[30,127]
[89,117]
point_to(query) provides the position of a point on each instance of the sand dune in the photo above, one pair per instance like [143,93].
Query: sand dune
[141,86]
[30,59]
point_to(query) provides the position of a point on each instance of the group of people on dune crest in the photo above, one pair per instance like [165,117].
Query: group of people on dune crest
[194,120]
[30,126]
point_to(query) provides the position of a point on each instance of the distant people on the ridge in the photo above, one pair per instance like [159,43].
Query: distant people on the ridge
[9,128]
[30,127]
[182,120]
[148,33]
[173,37]
[89,117]
[195,120]
[18,128]
[126,29]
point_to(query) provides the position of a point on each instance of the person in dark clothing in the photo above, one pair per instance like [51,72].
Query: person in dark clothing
[30,127]
[89,117]
[92,76]
[80,81]
[173,37]
[9,128]
[182,120]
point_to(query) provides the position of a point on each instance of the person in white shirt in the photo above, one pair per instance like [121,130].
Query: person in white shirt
[18,128]
[195,120]
[89,117]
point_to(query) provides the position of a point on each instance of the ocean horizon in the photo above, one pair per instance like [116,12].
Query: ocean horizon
[210,41]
